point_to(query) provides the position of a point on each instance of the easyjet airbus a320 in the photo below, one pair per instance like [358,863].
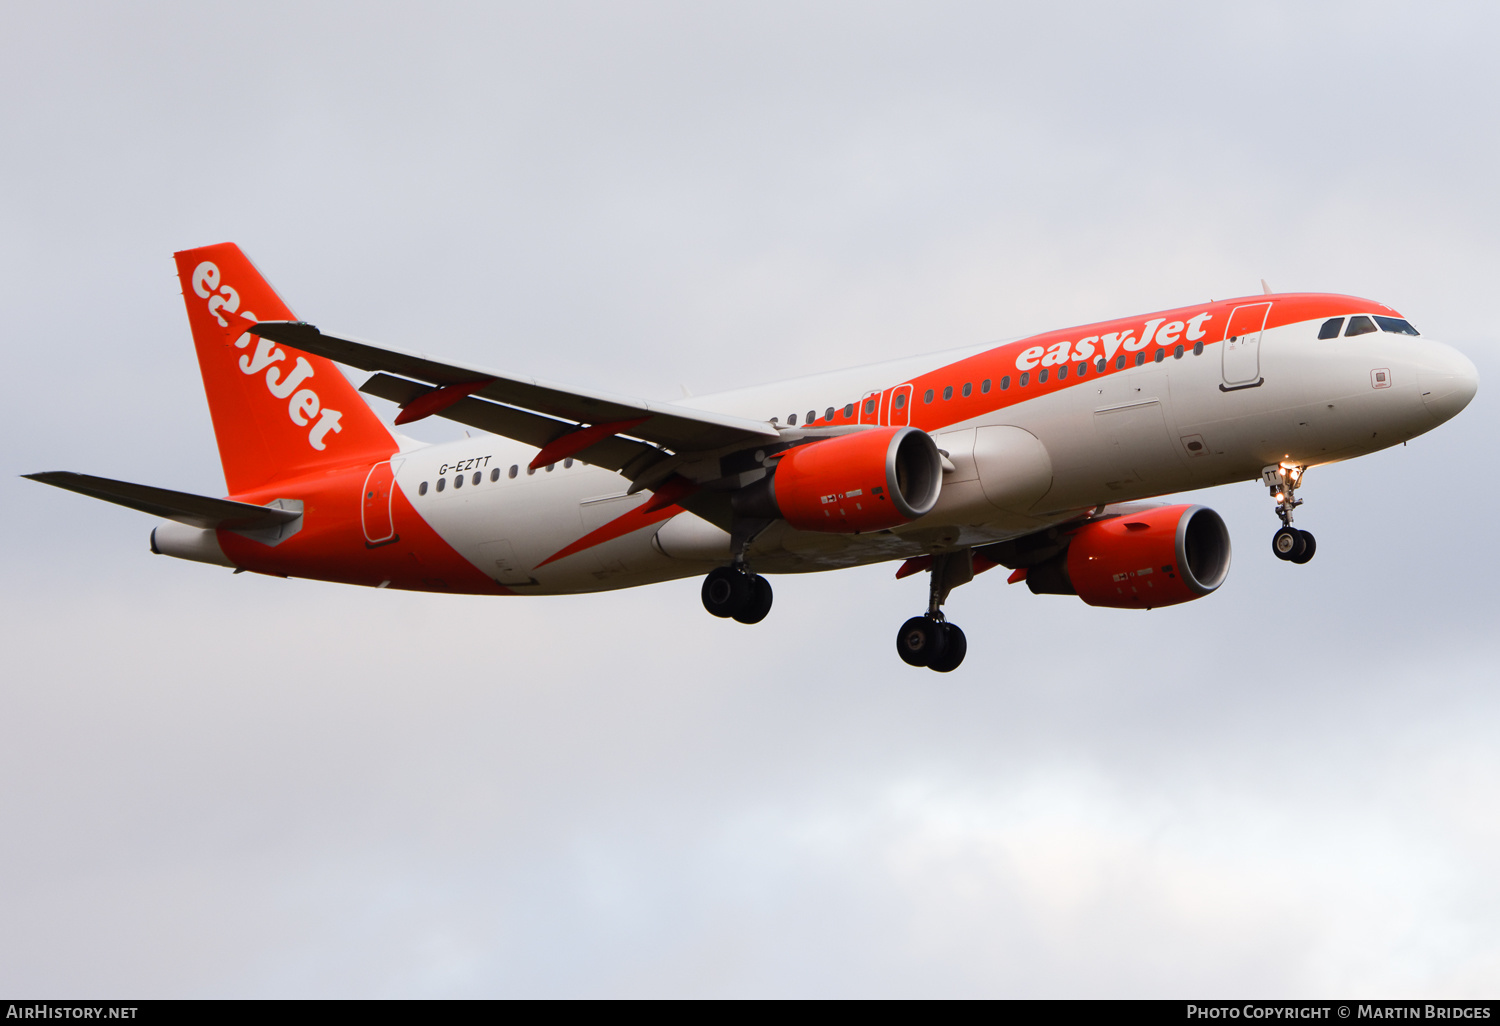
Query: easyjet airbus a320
[1033,455]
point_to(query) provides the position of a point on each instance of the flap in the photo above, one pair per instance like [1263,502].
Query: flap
[612,453]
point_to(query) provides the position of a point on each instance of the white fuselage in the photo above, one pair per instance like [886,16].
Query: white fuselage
[1186,422]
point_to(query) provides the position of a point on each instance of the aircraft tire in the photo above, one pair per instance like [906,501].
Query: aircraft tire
[727,592]
[955,647]
[760,603]
[1309,546]
[921,641]
[1288,543]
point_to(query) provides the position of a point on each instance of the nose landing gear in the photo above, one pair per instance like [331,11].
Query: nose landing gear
[733,592]
[1288,543]
[930,640]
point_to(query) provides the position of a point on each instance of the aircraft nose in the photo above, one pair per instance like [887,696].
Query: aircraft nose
[1448,381]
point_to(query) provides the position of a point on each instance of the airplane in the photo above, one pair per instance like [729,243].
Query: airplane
[1038,454]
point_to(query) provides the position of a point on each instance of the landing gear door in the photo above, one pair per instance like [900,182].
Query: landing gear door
[1242,346]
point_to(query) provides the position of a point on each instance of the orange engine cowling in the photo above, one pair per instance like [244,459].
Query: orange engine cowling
[1159,557]
[866,481]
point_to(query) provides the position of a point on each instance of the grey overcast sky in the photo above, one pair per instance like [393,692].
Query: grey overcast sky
[217,785]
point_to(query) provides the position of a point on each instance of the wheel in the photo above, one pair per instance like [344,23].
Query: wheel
[727,591]
[1288,543]
[1309,546]
[921,641]
[955,647]
[760,602]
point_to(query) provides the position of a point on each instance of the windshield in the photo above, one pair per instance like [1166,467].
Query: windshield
[1396,325]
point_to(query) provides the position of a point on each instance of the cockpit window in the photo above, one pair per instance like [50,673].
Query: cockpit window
[1397,325]
[1331,327]
[1360,325]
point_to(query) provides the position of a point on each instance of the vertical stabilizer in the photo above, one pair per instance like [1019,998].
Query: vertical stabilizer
[277,412]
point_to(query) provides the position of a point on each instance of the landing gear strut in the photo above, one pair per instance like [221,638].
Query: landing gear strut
[930,640]
[1288,543]
[733,592]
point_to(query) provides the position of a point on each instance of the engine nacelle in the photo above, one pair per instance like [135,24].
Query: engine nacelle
[1140,561]
[866,481]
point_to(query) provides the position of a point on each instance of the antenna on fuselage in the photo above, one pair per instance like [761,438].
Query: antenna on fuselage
[1264,287]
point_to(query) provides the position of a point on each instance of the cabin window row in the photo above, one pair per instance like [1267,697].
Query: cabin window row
[967,389]
[1043,375]
[477,477]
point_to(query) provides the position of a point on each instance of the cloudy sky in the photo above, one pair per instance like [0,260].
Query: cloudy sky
[221,785]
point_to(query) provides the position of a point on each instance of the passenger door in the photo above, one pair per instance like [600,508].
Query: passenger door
[1242,346]
[375,506]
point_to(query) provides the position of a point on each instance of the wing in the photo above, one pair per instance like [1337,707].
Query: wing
[535,412]
[183,507]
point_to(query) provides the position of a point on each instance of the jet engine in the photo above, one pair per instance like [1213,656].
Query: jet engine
[1159,557]
[866,481]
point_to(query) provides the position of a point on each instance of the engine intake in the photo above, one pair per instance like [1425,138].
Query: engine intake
[867,481]
[1140,561]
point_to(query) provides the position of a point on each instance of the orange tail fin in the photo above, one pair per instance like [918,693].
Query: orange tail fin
[277,412]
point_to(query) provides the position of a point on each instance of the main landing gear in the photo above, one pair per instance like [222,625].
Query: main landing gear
[930,640]
[733,592]
[1288,543]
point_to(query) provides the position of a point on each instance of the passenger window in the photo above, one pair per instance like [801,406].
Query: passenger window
[515,469]
[442,483]
[900,400]
[568,463]
[792,419]
[1331,327]
[458,480]
[1062,372]
[1140,358]
[968,389]
[869,407]
[1161,354]
[1360,325]
[1005,383]
[1177,353]
[551,467]
[422,488]
[812,415]
[530,470]
[1396,325]
[927,396]
[829,414]
[1099,367]
[1083,369]
[1041,376]
[478,476]
[947,393]
[849,410]
[1198,348]
[1120,362]
[984,386]
[1025,379]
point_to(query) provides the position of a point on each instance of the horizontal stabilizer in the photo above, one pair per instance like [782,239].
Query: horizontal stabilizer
[183,507]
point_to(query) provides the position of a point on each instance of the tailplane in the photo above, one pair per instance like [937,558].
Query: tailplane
[277,412]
